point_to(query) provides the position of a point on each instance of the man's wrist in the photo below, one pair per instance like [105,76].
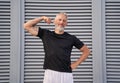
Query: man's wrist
[42,18]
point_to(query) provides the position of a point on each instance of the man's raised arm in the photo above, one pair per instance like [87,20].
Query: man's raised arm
[31,27]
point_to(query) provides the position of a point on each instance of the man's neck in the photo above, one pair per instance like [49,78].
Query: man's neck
[59,32]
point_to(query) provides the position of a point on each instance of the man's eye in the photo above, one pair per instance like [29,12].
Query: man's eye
[64,20]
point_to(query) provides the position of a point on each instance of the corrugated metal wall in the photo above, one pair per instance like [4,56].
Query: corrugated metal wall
[113,41]
[4,41]
[79,24]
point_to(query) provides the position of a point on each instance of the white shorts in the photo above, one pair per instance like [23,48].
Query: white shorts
[52,76]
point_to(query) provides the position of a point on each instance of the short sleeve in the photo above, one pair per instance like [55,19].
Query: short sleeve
[41,33]
[77,43]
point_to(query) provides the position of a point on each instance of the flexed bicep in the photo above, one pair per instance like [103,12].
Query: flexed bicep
[33,30]
[31,27]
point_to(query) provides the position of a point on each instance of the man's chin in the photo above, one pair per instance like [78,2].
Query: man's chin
[60,28]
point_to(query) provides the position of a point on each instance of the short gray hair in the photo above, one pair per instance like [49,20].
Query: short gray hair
[62,13]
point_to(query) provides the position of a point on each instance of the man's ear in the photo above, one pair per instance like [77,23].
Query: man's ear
[66,24]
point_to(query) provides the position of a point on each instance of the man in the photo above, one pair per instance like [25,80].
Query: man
[58,46]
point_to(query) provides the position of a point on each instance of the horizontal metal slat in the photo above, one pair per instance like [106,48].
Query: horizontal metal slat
[53,14]
[34,67]
[33,77]
[58,10]
[111,1]
[33,80]
[83,77]
[113,80]
[52,7]
[33,71]
[113,70]
[115,76]
[63,4]
[113,30]
[52,1]
[113,53]
[34,47]
[37,56]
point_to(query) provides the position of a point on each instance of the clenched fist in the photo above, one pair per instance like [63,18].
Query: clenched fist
[47,19]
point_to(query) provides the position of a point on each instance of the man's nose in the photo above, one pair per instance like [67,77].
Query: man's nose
[61,22]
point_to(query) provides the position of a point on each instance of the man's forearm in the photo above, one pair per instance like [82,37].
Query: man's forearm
[84,55]
[79,61]
[33,22]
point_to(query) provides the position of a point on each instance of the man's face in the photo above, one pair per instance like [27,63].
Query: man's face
[60,21]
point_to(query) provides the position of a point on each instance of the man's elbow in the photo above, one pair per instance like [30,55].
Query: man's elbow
[85,50]
[26,26]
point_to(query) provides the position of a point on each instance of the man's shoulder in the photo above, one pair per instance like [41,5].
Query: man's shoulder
[44,29]
[68,34]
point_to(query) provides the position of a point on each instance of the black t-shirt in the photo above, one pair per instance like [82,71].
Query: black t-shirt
[58,49]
